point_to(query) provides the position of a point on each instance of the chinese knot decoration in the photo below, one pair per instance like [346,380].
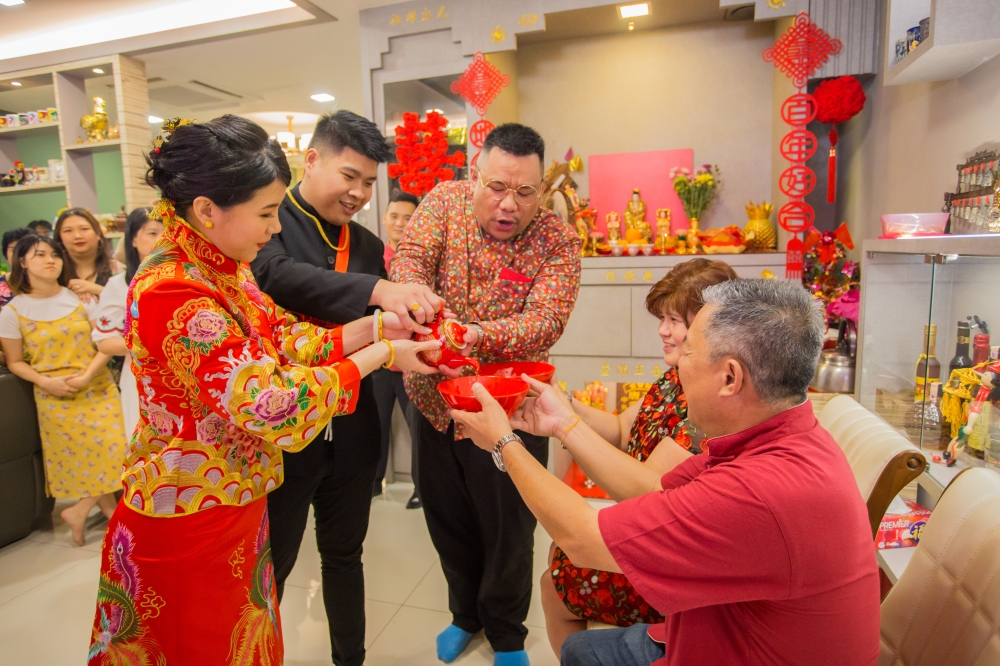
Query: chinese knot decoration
[479,85]
[422,151]
[798,53]
[837,101]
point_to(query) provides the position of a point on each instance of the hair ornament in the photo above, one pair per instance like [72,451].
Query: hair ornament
[166,129]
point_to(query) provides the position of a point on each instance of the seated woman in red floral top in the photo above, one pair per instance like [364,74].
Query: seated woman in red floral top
[579,594]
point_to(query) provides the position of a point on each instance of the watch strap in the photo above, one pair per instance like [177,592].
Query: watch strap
[498,450]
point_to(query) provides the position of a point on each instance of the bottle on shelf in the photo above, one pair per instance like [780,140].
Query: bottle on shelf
[961,358]
[980,348]
[928,367]
[923,423]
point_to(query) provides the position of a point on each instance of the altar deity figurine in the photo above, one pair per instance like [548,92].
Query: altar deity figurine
[662,229]
[614,223]
[635,214]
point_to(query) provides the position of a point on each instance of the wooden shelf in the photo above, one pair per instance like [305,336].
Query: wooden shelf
[41,129]
[100,147]
[32,188]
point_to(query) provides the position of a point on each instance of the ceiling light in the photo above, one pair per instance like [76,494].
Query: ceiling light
[304,141]
[324,97]
[631,25]
[98,70]
[631,11]
[11,3]
[125,24]
[16,84]
[155,119]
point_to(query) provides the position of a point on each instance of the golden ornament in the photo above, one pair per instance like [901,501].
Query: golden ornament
[765,236]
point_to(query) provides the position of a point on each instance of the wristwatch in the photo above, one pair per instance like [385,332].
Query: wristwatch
[498,450]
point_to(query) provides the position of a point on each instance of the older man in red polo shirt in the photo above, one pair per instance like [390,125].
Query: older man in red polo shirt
[758,551]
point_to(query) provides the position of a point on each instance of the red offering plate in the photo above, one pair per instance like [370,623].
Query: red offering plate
[508,391]
[538,371]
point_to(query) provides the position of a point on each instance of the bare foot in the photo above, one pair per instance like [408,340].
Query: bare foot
[76,521]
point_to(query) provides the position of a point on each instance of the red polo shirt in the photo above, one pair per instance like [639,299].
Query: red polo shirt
[759,552]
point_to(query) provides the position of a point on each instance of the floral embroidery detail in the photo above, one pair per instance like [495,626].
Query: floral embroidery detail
[446,249]
[205,330]
[277,408]
[257,628]
[152,602]
[160,419]
[211,429]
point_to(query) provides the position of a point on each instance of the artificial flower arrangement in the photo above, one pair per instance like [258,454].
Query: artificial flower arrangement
[696,191]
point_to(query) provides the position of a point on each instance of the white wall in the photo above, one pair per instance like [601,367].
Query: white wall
[703,86]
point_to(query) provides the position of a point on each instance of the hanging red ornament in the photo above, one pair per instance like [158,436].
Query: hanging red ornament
[798,53]
[479,85]
[839,100]
[422,153]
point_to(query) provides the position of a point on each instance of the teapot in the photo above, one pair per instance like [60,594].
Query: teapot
[835,371]
[451,334]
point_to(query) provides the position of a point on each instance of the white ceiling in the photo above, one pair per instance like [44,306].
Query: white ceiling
[269,73]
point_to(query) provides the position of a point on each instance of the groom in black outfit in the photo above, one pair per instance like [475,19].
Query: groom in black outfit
[330,268]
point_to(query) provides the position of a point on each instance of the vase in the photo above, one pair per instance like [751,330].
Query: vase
[765,237]
[693,228]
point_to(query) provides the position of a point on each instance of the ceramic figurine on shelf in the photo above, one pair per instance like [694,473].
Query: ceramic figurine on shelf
[20,177]
[614,223]
[96,124]
[635,214]
[663,231]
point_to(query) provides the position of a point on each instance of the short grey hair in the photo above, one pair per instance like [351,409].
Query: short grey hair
[773,327]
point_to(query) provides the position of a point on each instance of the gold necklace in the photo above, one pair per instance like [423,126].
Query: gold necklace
[319,226]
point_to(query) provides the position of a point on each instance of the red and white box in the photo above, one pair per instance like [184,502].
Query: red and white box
[902,525]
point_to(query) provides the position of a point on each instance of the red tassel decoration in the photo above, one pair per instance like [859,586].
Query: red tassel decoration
[793,258]
[831,168]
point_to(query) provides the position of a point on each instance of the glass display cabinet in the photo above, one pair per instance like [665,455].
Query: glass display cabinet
[930,305]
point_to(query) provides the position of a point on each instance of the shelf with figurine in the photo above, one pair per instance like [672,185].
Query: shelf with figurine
[21,178]
[42,121]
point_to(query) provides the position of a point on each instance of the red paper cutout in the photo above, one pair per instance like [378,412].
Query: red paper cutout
[479,85]
[422,151]
[798,53]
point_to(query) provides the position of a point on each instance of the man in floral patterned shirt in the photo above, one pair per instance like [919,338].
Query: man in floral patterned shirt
[511,270]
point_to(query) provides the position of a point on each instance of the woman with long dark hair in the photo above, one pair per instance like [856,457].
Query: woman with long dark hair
[87,252]
[45,334]
[141,234]
[227,381]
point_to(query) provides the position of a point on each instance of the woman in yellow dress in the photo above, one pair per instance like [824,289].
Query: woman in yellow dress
[45,333]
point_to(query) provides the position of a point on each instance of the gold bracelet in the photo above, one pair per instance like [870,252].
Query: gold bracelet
[563,436]
[392,354]
[378,315]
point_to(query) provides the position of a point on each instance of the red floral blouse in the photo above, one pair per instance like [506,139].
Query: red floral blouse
[608,597]
[226,380]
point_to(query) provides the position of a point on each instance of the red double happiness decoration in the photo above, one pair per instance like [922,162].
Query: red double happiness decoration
[422,154]
[479,85]
[798,53]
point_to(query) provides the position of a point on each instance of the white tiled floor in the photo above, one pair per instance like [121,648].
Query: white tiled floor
[48,587]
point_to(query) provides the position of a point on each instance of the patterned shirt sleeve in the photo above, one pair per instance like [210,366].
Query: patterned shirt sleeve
[237,376]
[419,251]
[305,343]
[546,310]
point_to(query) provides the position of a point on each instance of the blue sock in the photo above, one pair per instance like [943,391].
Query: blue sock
[451,642]
[519,658]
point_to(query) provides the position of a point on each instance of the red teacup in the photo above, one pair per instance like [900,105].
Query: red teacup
[451,334]
[508,391]
[541,372]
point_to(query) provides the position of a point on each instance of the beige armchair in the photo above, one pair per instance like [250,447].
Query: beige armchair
[945,608]
[883,461]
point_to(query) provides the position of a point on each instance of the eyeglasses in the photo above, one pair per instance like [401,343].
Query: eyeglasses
[525,195]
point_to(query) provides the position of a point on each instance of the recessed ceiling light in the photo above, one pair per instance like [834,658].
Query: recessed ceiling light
[16,84]
[155,119]
[134,23]
[11,3]
[631,11]
[324,97]
[98,70]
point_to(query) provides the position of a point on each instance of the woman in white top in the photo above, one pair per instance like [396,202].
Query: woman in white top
[141,234]
[45,333]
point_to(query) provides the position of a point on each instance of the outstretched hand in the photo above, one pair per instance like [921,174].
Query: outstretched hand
[544,412]
[487,427]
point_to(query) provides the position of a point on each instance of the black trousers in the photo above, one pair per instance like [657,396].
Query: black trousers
[388,389]
[483,532]
[336,477]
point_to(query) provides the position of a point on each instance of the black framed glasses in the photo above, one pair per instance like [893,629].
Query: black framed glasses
[524,195]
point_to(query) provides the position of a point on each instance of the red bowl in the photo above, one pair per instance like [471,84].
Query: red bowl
[538,371]
[508,391]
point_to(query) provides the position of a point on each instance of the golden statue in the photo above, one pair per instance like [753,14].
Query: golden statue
[664,241]
[614,223]
[765,236]
[96,124]
[635,214]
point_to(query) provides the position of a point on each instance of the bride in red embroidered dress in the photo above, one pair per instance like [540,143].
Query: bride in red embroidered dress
[226,381]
